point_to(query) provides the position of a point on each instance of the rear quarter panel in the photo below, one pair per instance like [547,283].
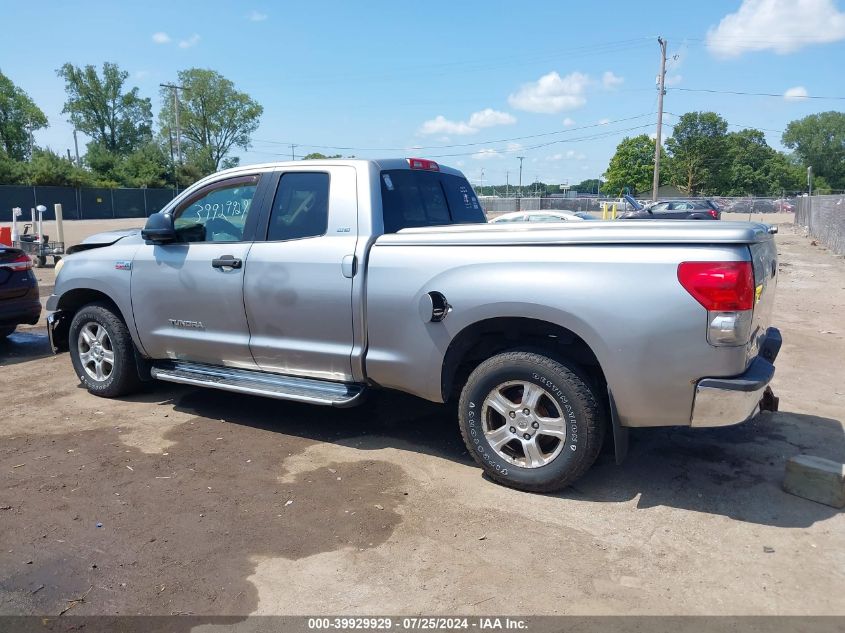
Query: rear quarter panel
[624,301]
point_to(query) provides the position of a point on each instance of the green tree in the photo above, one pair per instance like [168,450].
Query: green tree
[747,156]
[819,141]
[319,156]
[696,153]
[102,107]
[590,185]
[48,168]
[632,166]
[19,116]
[12,172]
[214,118]
[784,175]
[146,166]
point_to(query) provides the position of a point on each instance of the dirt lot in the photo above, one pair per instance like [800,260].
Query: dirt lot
[185,500]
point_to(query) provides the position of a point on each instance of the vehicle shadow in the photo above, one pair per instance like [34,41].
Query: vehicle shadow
[23,346]
[733,471]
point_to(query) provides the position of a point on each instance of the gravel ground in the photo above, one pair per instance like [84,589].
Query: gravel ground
[183,500]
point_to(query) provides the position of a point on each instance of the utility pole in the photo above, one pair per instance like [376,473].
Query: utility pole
[292,154]
[482,181]
[519,193]
[76,147]
[173,162]
[810,180]
[507,184]
[176,90]
[661,90]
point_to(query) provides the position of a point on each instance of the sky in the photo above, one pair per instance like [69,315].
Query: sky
[472,84]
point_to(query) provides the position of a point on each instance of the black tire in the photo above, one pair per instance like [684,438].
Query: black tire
[122,378]
[7,331]
[565,394]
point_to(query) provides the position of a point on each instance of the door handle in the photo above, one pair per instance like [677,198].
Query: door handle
[349,266]
[226,261]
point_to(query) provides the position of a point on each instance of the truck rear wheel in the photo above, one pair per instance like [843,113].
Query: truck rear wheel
[102,352]
[531,422]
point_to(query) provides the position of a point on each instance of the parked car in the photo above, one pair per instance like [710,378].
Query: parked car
[674,210]
[320,282]
[19,302]
[753,205]
[537,216]
[783,206]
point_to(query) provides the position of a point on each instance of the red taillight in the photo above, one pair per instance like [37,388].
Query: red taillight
[713,214]
[21,262]
[719,286]
[423,163]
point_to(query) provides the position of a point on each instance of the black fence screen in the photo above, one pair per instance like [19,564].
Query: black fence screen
[85,203]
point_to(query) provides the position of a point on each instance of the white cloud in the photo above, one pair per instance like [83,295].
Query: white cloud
[567,122]
[161,37]
[551,93]
[611,80]
[141,74]
[674,80]
[191,41]
[604,121]
[798,93]
[487,154]
[783,26]
[568,155]
[442,125]
[256,16]
[477,120]
[488,117]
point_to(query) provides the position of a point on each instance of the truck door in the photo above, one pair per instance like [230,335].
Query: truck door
[299,275]
[187,297]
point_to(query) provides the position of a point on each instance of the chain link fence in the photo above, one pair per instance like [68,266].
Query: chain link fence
[824,218]
[744,205]
[85,203]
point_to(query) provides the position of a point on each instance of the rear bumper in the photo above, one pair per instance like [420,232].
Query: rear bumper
[26,309]
[727,401]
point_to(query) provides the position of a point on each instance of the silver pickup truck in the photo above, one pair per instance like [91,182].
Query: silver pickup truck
[318,281]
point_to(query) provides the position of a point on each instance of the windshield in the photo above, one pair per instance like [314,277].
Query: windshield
[426,198]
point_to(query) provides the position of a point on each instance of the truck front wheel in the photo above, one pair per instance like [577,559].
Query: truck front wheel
[102,351]
[531,422]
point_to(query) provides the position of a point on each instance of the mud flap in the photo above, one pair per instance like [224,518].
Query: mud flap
[620,433]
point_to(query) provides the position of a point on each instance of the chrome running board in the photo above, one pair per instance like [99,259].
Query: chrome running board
[258,383]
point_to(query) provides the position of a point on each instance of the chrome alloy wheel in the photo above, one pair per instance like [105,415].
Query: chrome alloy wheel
[95,351]
[523,423]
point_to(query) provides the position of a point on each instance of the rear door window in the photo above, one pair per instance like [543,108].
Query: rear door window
[301,206]
[413,198]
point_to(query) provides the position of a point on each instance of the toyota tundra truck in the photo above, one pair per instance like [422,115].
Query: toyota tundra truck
[321,281]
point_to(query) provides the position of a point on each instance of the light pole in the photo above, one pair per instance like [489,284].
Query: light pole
[482,181]
[507,184]
[176,90]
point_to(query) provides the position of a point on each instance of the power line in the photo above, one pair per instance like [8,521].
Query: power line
[456,145]
[780,95]
[739,125]
[506,150]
